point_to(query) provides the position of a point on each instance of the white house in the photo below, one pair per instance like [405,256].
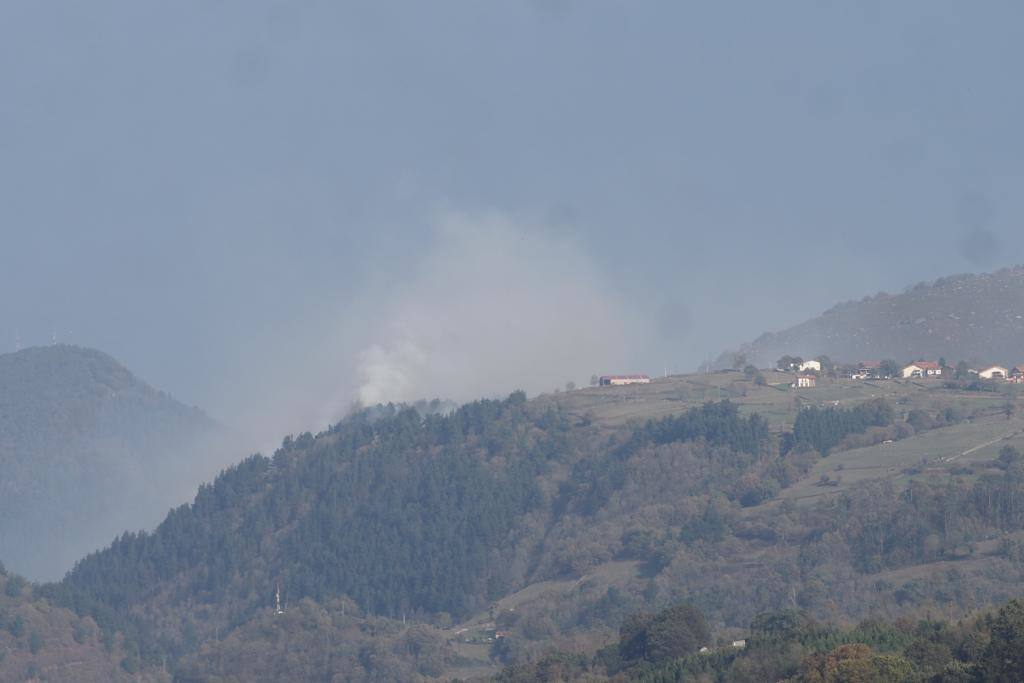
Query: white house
[805,382]
[994,372]
[922,369]
[809,365]
[620,380]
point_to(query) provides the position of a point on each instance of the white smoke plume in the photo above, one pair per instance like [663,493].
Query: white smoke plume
[496,305]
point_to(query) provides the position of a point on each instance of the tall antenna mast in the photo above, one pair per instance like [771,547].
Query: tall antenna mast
[277,600]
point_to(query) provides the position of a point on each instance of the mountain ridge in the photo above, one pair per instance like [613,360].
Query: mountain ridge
[78,427]
[978,318]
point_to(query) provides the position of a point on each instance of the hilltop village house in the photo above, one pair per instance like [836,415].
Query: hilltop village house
[807,372]
[809,365]
[805,382]
[621,380]
[994,372]
[867,369]
[921,369]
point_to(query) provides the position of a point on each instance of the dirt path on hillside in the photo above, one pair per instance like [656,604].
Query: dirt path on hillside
[1004,437]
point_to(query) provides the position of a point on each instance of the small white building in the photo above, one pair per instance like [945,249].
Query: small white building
[994,372]
[867,369]
[808,365]
[739,643]
[621,380]
[805,382]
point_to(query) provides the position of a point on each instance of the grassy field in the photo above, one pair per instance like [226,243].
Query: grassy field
[777,402]
[475,654]
[935,452]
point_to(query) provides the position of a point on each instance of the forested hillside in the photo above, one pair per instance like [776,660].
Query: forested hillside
[41,642]
[790,645]
[402,516]
[405,542]
[88,450]
[977,318]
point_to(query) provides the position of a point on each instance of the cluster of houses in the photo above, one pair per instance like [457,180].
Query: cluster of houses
[807,372]
[929,369]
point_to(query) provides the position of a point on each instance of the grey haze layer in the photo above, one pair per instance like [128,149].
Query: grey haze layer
[244,200]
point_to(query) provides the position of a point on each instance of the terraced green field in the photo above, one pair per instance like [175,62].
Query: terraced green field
[961,449]
[777,402]
[932,453]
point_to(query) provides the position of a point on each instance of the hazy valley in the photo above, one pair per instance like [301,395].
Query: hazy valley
[498,342]
[427,542]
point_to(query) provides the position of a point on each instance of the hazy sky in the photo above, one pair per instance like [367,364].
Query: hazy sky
[268,209]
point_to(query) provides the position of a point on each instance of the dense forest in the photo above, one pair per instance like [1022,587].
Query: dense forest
[39,641]
[790,645]
[401,513]
[402,536]
[825,428]
[406,514]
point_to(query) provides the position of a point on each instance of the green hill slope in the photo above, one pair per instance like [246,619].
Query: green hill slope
[42,642]
[415,539]
[87,450]
[790,645]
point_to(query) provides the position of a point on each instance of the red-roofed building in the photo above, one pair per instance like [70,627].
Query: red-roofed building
[994,372]
[620,380]
[922,369]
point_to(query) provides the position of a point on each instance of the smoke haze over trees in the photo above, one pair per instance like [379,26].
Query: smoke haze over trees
[251,191]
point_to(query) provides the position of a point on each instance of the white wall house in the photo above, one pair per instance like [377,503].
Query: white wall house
[921,369]
[809,365]
[994,372]
[867,369]
[805,382]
